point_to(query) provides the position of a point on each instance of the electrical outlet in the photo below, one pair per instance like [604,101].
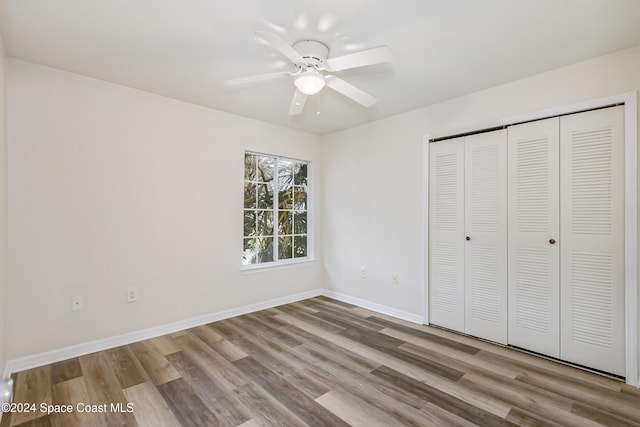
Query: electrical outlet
[77,303]
[394,279]
[132,294]
[363,272]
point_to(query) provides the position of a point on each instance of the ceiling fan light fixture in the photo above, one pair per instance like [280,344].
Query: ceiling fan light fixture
[310,81]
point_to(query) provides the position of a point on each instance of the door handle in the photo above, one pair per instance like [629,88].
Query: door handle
[552,241]
[468,238]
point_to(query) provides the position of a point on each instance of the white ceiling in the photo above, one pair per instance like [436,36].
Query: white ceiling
[185,49]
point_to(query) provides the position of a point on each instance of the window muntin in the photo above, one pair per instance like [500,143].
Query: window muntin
[275,222]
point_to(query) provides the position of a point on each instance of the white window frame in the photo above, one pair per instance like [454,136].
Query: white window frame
[277,263]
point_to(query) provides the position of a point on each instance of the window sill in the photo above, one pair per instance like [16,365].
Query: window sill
[256,268]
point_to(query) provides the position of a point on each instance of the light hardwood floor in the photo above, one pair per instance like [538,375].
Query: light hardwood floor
[320,362]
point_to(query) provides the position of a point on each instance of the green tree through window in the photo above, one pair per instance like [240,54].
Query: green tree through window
[275,209]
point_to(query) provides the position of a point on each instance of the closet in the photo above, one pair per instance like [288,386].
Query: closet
[526,237]
[468,250]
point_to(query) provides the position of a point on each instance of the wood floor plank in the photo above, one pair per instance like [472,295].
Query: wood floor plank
[74,392]
[334,302]
[489,404]
[527,419]
[253,422]
[628,389]
[228,410]
[527,363]
[605,417]
[150,407]
[488,379]
[42,421]
[442,399]
[354,411]
[301,306]
[104,388]
[553,408]
[219,369]
[305,408]
[618,404]
[267,410]
[392,348]
[164,344]
[323,362]
[5,419]
[288,315]
[405,408]
[214,340]
[346,320]
[425,335]
[186,405]
[126,366]
[34,387]
[446,356]
[154,363]
[273,329]
[267,317]
[65,370]
[372,338]
[282,361]
[348,358]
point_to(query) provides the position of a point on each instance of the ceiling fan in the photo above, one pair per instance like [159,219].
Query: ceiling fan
[311,65]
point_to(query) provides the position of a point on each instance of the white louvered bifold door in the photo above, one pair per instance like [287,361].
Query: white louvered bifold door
[446,234]
[486,236]
[592,240]
[533,225]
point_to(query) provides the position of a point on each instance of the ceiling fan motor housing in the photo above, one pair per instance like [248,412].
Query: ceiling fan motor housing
[313,51]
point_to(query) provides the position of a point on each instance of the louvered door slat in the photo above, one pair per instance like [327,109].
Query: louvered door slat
[485,224]
[592,240]
[533,221]
[446,234]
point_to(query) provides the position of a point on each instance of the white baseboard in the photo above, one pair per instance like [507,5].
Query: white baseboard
[53,356]
[48,357]
[399,314]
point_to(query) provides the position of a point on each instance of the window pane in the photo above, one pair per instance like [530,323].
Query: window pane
[266,168]
[249,223]
[257,250]
[285,170]
[285,248]
[285,222]
[265,245]
[300,198]
[286,199]
[300,223]
[265,223]
[265,196]
[300,246]
[249,255]
[300,174]
[249,167]
[249,195]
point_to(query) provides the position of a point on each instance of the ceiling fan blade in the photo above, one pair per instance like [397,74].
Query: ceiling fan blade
[372,56]
[281,46]
[255,79]
[350,91]
[297,103]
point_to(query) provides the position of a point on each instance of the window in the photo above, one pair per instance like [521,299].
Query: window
[275,209]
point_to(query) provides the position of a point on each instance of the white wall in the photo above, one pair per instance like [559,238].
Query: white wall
[111,187]
[373,189]
[3,211]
